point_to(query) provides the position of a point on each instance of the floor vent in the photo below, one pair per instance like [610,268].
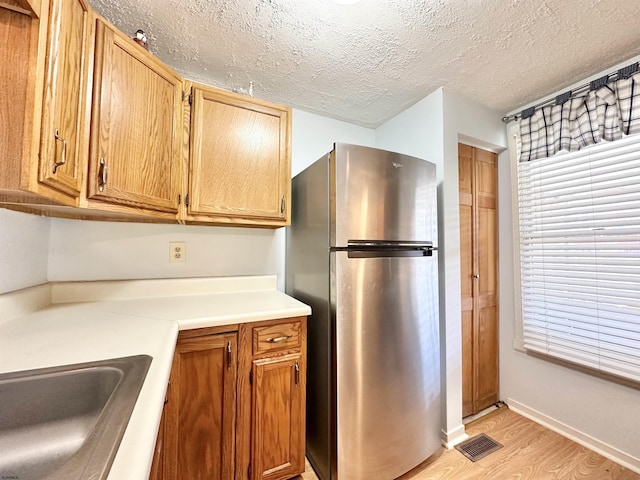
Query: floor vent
[478,447]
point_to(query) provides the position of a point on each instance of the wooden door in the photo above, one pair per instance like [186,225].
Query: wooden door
[277,434]
[135,151]
[62,148]
[240,167]
[477,174]
[201,409]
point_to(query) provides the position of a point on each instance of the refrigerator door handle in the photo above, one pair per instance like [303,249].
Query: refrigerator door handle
[389,244]
[366,249]
[388,252]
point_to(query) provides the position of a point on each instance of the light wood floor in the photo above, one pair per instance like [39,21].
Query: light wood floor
[530,452]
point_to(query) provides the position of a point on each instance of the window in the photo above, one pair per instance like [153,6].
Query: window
[579,233]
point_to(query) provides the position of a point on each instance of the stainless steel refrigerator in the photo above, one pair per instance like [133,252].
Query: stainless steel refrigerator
[361,253]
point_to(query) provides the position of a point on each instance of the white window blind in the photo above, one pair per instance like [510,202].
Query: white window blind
[579,216]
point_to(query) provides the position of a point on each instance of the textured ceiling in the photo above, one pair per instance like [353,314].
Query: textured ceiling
[367,62]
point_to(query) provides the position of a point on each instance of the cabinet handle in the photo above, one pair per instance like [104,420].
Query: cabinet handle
[282,205]
[63,158]
[228,354]
[296,367]
[102,174]
[279,339]
[475,275]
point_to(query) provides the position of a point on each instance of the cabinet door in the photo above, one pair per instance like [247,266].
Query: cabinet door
[134,127]
[60,164]
[240,159]
[278,402]
[200,414]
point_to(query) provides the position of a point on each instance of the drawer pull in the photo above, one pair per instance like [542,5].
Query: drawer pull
[279,339]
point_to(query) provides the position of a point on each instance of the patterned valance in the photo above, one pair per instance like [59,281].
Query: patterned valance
[607,111]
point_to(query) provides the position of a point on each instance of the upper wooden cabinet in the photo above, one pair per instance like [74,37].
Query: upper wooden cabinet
[43,92]
[26,7]
[135,126]
[18,56]
[240,160]
[63,145]
[96,127]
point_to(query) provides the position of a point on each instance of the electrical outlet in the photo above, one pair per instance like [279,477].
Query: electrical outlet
[177,252]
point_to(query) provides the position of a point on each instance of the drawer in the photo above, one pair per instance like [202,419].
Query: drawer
[283,336]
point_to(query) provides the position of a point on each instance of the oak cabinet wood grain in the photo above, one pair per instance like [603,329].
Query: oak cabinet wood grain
[43,91]
[95,127]
[477,176]
[25,7]
[199,436]
[277,447]
[272,397]
[239,160]
[63,146]
[233,412]
[19,36]
[135,126]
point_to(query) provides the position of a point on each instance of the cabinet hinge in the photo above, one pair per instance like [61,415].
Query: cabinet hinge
[186,199]
[187,96]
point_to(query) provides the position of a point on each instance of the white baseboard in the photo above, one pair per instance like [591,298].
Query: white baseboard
[577,436]
[454,437]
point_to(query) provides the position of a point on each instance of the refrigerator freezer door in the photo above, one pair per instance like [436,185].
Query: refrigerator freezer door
[388,366]
[380,195]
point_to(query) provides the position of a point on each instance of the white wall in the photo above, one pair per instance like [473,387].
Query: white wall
[468,122]
[431,130]
[418,131]
[82,250]
[597,412]
[24,242]
[313,136]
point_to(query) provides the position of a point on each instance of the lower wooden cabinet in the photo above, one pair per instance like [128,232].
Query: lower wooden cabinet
[277,440]
[235,404]
[200,412]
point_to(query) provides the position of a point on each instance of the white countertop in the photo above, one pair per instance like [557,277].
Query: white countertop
[89,321]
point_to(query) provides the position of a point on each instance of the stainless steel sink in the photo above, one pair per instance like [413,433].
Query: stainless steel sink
[67,422]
